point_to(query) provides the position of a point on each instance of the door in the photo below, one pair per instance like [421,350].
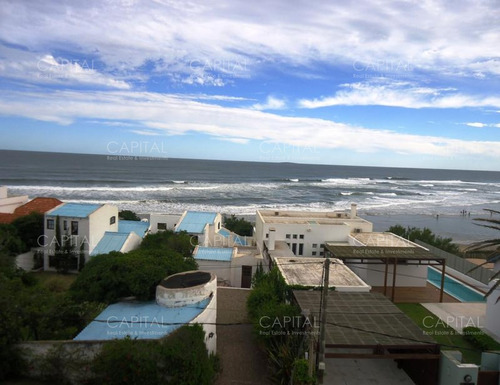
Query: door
[246,276]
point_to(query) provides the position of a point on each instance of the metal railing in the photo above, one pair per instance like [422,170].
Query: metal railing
[460,264]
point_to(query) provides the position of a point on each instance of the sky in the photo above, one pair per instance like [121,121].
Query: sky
[369,83]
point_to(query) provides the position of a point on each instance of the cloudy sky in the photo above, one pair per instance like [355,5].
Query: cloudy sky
[381,83]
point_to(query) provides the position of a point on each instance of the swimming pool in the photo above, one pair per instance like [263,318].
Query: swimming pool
[453,287]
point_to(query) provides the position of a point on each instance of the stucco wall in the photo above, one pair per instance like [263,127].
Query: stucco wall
[99,224]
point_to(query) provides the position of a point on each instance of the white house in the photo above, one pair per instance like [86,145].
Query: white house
[306,232]
[161,222]
[234,266]
[202,225]
[91,229]
[9,203]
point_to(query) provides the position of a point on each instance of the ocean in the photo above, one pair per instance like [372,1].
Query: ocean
[151,185]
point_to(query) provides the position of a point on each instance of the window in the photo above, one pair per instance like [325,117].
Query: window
[294,236]
[50,224]
[161,226]
[65,225]
[287,236]
[313,253]
[112,220]
[288,245]
[294,248]
[321,253]
[315,245]
[267,235]
[301,249]
[74,227]
[322,246]
[301,236]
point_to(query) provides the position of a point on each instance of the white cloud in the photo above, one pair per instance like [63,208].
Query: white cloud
[46,69]
[481,125]
[272,103]
[385,92]
[476,124]
[145,132]
[232,37]
[172,115]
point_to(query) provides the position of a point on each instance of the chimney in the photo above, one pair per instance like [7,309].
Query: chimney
[272,239]
[354,211]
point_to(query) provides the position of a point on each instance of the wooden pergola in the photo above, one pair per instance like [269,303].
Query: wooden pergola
[379,255]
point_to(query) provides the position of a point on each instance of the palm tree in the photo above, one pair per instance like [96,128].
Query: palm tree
[489,244]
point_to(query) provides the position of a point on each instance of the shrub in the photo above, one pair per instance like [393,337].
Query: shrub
[239,226]
[180,359]
[108,277]
[480,339]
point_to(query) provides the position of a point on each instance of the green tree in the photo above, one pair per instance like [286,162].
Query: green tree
[128,215]
[108,277]
[427,236]
[181,243]
[29,228]
[180,359]
[237,225]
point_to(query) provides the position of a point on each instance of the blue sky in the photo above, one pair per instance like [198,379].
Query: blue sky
[375,83]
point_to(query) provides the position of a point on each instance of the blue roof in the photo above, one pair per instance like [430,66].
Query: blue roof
[214,253]
[141,320]
[75,210]
[195,221]
[110,241]
[237,239]
[138,227]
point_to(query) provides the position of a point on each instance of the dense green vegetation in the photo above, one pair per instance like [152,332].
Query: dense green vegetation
[128,215]
[480,339]
[40,307]
[181,359]
[427,236]
[441,332]
[276,323]
[109,277]
[237,225]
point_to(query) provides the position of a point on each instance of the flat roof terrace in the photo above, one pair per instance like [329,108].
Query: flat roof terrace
[309,272]
[308,217]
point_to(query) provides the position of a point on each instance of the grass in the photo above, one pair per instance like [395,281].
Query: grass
[447,337]
[55,281]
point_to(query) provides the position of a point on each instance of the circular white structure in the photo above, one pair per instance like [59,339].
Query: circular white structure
[186,288]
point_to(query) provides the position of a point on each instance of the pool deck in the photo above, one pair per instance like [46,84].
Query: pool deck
[424,294]
[459,315]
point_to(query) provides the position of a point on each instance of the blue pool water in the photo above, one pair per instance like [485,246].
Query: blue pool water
[453,287]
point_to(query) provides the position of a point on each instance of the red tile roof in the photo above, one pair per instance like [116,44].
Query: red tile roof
[38,205]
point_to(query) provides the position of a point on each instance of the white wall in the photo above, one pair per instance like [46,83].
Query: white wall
[76,240]
[133,241]
[452,371]
[493,312]
[208,319]
[170,220]
[221,269]
[8,205]
[244,259]
[99,224]
[406,275]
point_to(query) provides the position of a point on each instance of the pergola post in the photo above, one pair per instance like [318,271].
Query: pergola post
[385,275]
[393,294]
[443,268]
